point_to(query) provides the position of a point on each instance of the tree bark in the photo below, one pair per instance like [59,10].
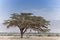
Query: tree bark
[21,33]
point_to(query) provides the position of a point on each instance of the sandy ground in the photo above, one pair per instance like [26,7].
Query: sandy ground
[30,38]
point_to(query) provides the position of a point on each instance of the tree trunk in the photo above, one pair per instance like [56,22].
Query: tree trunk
[21,33]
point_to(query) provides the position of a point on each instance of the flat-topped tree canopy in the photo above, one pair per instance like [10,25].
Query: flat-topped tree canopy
[26,13]
[25,21]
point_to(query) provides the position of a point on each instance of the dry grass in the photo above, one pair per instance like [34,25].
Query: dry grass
[30,38]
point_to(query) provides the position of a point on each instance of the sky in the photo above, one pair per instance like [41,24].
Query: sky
[49,9]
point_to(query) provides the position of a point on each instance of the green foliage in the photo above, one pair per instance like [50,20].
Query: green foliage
[25,21]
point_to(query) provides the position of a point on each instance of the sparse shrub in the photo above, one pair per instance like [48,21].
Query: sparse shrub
[57,35]
[40,35]
[49,35]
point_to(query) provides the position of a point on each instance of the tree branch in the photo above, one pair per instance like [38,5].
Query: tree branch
[25,30]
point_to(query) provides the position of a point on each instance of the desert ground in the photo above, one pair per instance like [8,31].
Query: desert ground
[30,38]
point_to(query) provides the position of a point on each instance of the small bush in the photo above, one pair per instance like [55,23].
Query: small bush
[57,35]
[49,35]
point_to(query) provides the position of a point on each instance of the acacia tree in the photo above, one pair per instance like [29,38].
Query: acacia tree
[25,21]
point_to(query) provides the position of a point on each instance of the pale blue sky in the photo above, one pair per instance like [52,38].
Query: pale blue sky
[49,9]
